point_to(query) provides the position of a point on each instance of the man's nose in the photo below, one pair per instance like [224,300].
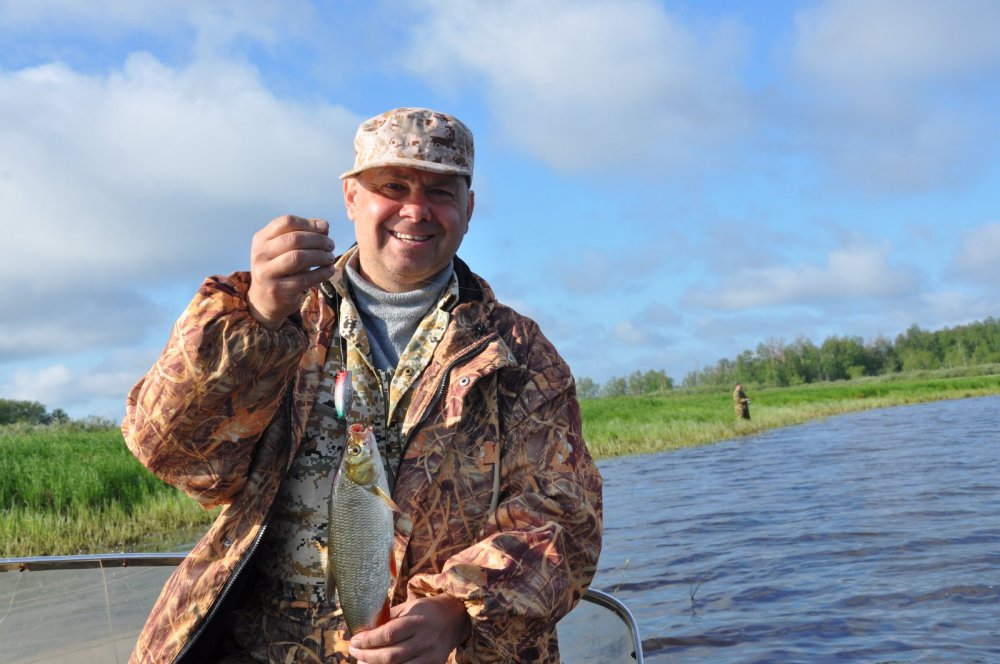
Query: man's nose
[416,205]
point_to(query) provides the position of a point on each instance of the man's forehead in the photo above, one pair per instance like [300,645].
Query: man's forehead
[412,174]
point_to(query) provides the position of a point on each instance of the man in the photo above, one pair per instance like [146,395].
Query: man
[474,410]
[741,403]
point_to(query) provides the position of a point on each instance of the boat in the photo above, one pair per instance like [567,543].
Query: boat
[88,609]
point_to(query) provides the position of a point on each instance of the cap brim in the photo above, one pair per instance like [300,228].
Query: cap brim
[418,164]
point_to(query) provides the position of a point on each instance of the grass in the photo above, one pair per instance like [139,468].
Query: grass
[683,418]
[64,491]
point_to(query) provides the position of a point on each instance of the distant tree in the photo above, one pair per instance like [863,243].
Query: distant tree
[880,357]
[656,380]
[842,358]
[31,412]
[615,387]
[587,389]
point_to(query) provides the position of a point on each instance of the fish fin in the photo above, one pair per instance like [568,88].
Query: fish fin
[324,554]
[324,559]
[393,572]
[377,490]
[383,614]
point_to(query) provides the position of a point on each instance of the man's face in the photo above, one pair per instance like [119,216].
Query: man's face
[408,223]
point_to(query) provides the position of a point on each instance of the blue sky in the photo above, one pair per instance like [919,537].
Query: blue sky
[659,184]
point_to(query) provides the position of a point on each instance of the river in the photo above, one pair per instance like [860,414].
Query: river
[868,537]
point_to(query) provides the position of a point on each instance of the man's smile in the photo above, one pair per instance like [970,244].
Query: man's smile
[410,238]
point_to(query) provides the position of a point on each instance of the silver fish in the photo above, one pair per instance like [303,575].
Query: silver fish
[360,562]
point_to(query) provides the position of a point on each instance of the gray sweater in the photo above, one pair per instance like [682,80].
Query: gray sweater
[390,319]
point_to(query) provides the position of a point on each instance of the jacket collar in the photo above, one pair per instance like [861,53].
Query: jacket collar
[470,287]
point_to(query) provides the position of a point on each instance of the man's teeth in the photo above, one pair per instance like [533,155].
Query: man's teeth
[415,238]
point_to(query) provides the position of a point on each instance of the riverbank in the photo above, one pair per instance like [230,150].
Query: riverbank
[67,492]
[683,418]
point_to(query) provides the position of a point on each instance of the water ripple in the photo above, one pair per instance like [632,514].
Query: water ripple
[869,537]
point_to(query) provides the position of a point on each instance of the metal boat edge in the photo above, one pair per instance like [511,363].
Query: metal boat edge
[112,560]
[90,561]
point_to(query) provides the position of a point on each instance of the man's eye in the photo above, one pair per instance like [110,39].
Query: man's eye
[441,194]
[394,188]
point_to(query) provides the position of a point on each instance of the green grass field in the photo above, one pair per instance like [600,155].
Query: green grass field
[682,418]
[67,492]
[64,491]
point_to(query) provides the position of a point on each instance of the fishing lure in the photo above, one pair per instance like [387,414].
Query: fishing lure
[342,392]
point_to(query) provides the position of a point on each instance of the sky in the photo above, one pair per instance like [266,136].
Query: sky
[660,185]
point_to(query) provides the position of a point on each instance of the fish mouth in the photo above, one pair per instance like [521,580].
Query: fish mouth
[408,237]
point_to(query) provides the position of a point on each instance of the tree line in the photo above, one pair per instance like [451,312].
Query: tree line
[781,364]
[632,385]
[773,362]
[30,412]
[33,413]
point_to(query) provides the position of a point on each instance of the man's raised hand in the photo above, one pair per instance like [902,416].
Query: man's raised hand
[287,257]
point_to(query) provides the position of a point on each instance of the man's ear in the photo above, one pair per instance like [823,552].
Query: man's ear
[350,194]
[471,207]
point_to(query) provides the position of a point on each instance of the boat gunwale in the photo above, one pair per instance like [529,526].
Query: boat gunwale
[111,560]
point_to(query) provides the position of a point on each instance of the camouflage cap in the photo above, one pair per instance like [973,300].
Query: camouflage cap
[415,138]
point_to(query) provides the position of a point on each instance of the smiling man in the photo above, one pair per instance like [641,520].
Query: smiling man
[409,223]
[499,524]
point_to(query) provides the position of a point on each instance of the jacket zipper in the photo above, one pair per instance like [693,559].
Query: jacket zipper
[247,555]
[222,596]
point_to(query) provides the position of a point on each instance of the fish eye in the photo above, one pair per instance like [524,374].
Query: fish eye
[354,450]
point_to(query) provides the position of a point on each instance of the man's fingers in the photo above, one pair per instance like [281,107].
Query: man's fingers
[297,261]
[267,247]
[286,232]
[290,288]
[392,641]
[301,240]
[289,222]
[390,633]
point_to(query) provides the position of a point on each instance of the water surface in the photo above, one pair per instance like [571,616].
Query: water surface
[868,537]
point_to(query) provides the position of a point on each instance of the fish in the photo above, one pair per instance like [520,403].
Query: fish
[359,561]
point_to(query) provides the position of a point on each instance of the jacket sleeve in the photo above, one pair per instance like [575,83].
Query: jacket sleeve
[540,549]
[194,419]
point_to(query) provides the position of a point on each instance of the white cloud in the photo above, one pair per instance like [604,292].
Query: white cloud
[889,93]
[874,50]
[590,86]
[978,257]
[856,273]
[214,24]
[74,318]
[38,384]
[148,166]
[628,334]
[590,270]
[952,306]
[59,386]
[144,177]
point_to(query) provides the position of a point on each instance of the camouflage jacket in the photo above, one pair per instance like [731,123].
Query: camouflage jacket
[221,415]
